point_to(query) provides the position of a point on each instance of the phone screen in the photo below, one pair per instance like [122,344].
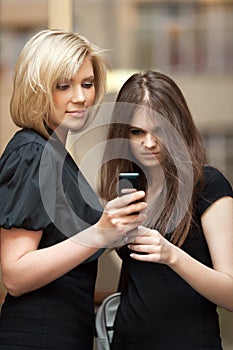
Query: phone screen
[127,182]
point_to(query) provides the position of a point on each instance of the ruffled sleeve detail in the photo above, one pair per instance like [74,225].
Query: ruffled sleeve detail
[20,188]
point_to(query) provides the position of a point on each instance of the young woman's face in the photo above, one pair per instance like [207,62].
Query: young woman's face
[144,133]
[73,97]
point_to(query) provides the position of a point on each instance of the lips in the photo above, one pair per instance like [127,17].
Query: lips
[77,114]
[150,155]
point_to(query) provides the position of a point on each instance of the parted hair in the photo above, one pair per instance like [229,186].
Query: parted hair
[47,58]
[160,95]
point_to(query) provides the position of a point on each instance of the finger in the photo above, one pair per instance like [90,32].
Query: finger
[132,209]
[131,227]
[140,248]
[128,190]
[136,208]
[148,236]
[144,257]
[124,201]
[142,239]
[136,220]
[132,197]
[136,232]
[144,248]
[128,213]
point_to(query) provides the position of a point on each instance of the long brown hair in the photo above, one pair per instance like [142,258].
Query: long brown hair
[159,94]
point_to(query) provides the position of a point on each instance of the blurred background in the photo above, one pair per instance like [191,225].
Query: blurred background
[191,40]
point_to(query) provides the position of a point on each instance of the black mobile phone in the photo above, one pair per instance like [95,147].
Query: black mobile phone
[127,182]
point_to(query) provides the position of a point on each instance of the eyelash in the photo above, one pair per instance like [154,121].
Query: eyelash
[136,132]
[139,132]
[64,87]
[88,85]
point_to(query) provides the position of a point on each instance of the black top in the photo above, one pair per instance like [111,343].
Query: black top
[160,310]
[41,188]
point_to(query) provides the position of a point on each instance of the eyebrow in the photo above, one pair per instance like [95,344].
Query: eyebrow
[91,77]
[135,127]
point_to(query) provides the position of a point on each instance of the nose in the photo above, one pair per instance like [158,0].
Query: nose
[78,95]
[149,141]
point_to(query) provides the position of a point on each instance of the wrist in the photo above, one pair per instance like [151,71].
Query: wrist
[109,237]
[174,256]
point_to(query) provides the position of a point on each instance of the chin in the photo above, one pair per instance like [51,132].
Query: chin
[75,125]
[150,163]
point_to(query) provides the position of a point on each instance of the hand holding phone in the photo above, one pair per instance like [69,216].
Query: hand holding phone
[129,182]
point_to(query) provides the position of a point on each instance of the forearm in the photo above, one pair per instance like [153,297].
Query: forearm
[214,285]
[26,268]
[37,268]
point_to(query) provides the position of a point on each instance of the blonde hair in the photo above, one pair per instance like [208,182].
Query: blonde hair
[47,58]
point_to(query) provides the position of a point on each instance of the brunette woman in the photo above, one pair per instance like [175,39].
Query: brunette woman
[181,267]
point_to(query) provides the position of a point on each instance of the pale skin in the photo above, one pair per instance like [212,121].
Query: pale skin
[217,221]
[24,267]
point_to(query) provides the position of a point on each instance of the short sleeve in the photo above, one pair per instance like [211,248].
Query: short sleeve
[216,186]
[20,188]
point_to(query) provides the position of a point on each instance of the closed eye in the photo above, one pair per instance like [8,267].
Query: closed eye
[62,86]
[136,132]
[88,85]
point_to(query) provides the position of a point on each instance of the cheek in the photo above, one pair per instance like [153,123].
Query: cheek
[91,96]
[56,99]
[134,147]
[162,148]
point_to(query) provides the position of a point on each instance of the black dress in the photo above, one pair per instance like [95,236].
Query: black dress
[161,311]
[41,188]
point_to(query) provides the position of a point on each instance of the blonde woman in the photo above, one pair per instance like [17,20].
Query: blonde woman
[52,225]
